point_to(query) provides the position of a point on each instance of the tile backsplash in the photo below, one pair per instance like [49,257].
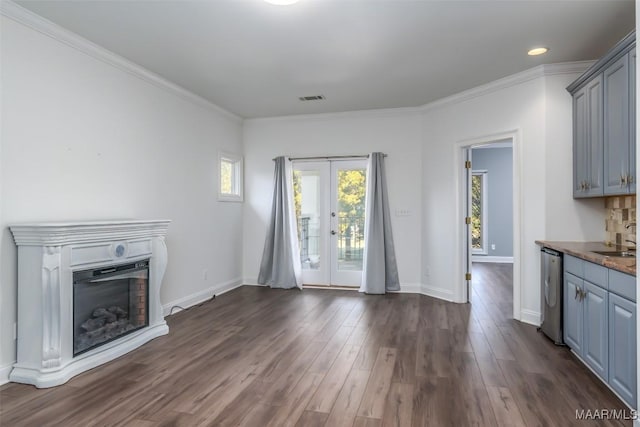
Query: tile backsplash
[621,211]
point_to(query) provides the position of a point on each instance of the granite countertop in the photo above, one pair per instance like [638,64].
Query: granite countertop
[584,250]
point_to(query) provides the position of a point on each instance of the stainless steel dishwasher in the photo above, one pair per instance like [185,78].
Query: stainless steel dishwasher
[551,294]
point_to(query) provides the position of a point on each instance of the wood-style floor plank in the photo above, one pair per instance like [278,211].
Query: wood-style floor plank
[259,357]
[375,395]
[344,410]
[504,407]
[399,406]
[327,392]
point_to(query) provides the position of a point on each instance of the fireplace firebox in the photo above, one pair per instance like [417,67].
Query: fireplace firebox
[109,303]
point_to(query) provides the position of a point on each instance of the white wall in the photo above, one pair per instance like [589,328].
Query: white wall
[422,145]
[84,140]
[395,133]
[539,110]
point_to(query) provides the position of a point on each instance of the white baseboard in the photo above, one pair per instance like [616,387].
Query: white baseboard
[529,316]
[251,281]
[497,259]
[200,296]
[435,292]
[410,288]
[4,373]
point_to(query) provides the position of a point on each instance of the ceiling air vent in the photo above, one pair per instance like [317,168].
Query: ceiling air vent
[312,98]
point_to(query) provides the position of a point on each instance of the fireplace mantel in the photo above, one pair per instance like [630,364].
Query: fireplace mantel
[48,254]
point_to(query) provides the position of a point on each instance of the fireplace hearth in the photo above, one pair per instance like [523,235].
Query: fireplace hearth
[87,293]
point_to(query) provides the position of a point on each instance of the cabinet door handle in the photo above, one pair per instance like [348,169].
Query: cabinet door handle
[577,293]
[629,179]
[584,295]
[622,179]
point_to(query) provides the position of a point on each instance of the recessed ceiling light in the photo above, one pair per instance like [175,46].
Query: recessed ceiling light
[537,51]
[282,2]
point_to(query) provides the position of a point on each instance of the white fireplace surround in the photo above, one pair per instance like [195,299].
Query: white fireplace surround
[48,254]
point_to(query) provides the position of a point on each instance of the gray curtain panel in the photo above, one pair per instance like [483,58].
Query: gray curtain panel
[380,269]
[280,266]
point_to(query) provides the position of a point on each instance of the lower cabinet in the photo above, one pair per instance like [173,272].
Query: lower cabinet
[585,322]
[573,312]
[599,323]
[622,347]
[596,331]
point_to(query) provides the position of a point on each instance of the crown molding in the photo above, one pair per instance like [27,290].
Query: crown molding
[36,22]
[510,81]
[577,67]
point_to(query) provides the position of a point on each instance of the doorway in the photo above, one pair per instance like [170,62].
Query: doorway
[329,200]
[491,235]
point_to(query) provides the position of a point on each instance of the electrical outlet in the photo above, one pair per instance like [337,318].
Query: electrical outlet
[205,274]
[493,247]
[403,212]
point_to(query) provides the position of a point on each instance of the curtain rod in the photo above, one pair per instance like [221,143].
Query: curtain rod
[353,156]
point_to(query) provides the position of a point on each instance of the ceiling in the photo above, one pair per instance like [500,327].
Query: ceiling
[255,59]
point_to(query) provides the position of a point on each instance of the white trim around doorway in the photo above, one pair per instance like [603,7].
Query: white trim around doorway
[461,251]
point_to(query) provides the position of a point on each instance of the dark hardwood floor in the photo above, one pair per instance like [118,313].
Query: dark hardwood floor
[259,357]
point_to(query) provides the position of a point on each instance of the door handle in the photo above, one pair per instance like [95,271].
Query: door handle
[333,232]
[333,214]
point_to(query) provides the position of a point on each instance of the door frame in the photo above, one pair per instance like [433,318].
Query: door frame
[464,251]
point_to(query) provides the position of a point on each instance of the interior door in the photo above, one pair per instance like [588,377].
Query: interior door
[329,199]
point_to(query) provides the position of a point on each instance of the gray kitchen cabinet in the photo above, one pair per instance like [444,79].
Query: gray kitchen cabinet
[599,323]
[596,330]
[573,312]
[588,140]
[604,124]
[622,348]
[617,143]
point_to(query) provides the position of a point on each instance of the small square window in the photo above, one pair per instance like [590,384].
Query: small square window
[230,177]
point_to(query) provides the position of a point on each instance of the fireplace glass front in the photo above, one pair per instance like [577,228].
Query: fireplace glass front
[108,303]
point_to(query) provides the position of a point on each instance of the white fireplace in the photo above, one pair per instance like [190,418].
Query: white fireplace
[120,262]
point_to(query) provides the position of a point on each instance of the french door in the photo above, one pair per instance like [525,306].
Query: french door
[329,199]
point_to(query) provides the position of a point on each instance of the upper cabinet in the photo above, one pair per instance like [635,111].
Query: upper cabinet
[588,142]
[604,125]
[617,116]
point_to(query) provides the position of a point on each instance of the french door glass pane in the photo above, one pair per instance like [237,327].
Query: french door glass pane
[351,198]
[306,185]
